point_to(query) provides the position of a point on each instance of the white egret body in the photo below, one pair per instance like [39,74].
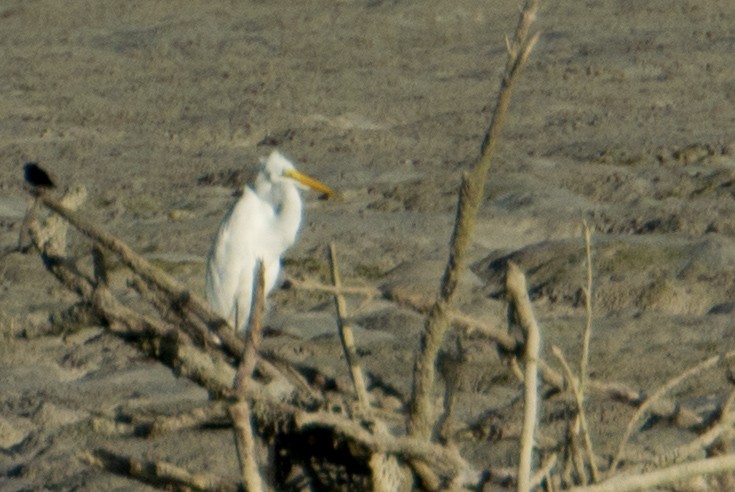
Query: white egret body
[261,225]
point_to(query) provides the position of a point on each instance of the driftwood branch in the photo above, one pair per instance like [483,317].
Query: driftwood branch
[421,413]
[240,409]
[663,477]
[516,288]
[579,400]
[345,332]
[155,276]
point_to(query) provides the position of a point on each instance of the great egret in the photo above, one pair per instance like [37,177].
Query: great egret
[261,225]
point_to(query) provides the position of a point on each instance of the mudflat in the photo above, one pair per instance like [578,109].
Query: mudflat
[623,118]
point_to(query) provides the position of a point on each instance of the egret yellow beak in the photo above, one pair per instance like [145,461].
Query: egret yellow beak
[307,181]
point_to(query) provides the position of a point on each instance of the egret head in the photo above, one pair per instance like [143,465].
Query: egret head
[277,169]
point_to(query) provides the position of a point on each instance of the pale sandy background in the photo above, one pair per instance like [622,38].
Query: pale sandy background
[624,117]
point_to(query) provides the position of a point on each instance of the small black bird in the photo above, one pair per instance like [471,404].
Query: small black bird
[36,176]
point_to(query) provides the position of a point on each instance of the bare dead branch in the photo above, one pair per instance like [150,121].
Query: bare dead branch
[240,409]
[663,477]
[584,359]
[516,288]
[179,294]
[421,413]
[345,332]
[579,399]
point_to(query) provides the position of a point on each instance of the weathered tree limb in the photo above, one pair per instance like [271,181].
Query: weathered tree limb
[240,409]
[422,420]
[516,288]
[179,294]
[345,332]
[578,398]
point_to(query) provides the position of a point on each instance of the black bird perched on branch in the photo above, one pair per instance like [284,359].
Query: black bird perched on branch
[36,176]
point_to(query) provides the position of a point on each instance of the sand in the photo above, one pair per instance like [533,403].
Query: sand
[623,118]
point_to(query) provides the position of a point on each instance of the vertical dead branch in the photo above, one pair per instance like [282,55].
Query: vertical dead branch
[584,360]
[240,410]
[579,399]
[388,475]
[516,288]
[345,332]
[421,418]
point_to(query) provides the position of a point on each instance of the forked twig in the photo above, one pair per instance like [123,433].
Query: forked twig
[544,470]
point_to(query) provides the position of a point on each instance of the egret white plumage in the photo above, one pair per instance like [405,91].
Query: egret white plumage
[261,225]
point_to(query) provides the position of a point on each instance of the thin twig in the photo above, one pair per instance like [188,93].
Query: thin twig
[516,288]
[575,452]
[214,413]
[584,359]
[345,332]
[309,284]
[580,411]
[723,426]
[387,473]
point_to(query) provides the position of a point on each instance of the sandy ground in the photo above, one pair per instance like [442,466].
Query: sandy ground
[623,117]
